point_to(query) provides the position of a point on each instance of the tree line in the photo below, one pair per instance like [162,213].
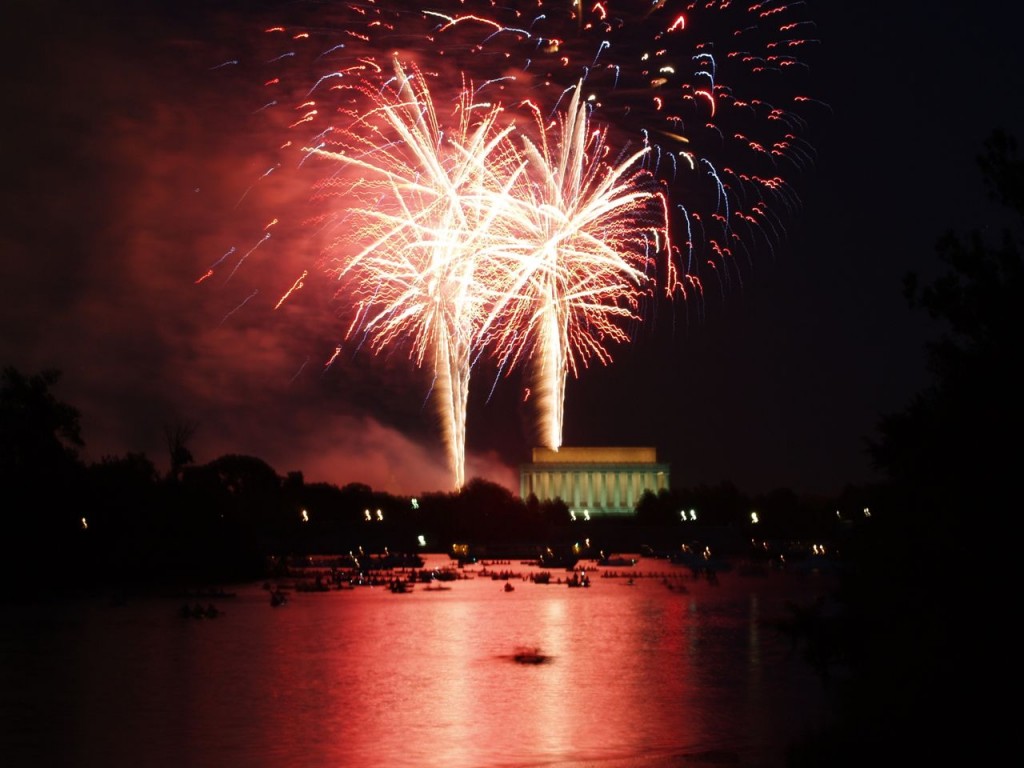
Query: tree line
[121,519]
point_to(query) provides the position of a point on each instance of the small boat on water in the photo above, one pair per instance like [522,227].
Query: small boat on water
[529,655]
[578,580]
[508,587]
[680,588]
[565,559]
[616,561]
[441,574]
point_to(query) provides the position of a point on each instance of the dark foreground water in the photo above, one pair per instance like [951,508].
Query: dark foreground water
[667,670]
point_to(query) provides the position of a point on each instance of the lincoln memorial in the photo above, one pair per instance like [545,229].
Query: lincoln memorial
[598,481]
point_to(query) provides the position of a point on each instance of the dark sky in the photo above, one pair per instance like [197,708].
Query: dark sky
[128,162]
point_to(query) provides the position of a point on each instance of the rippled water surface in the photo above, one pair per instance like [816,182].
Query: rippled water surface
[667,670]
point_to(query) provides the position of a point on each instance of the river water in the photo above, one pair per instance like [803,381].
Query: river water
[647,666]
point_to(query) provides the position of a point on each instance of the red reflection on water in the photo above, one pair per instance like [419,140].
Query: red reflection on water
[428,678]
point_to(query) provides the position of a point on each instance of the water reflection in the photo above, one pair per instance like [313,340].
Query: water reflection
[365,676]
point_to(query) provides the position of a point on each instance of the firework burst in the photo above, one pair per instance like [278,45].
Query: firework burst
[530,172]
[586,236]
[714,90]
[477,239]
[418,205]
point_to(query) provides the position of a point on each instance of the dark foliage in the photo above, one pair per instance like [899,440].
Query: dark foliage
[41,475]
[119,521]
[925,622]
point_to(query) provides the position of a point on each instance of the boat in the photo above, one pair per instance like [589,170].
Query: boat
[699,560]
[617,561]
[529,655]
[579,580]
[680,587]
[509,587]
[549,558]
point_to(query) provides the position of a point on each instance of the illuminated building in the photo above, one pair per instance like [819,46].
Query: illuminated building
[595,481]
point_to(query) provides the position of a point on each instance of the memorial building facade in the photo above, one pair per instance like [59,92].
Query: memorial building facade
[594,481]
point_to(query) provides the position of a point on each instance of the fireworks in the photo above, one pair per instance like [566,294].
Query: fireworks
[476,240]
[422,212]
[586,234]
[510,182]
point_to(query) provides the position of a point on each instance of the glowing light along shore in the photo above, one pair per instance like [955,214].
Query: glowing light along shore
[475,240]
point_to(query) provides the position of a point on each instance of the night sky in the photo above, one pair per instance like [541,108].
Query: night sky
[129,157]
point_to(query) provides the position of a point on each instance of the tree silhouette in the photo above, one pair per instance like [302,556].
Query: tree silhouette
[40,472]
[924,629]
[177,437]
[38,433]
[952,442]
